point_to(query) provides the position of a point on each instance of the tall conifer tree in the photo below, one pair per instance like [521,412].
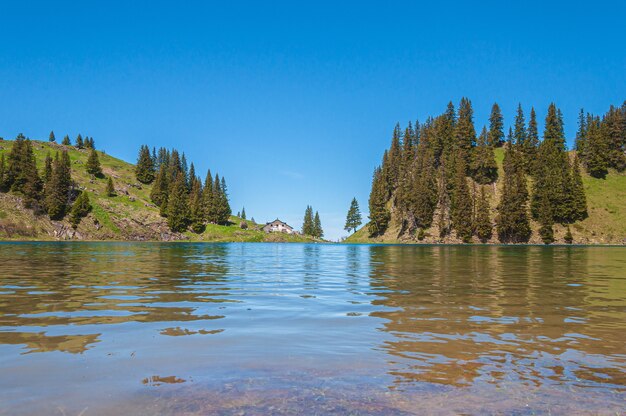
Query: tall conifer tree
[178,205]
[496,127]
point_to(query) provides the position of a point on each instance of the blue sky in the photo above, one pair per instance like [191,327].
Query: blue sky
[295,103]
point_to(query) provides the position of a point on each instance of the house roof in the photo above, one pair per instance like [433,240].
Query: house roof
[277,220]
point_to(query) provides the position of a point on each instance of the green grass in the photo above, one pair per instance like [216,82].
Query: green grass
[130,214]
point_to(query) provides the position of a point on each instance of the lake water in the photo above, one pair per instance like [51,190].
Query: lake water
[116,328]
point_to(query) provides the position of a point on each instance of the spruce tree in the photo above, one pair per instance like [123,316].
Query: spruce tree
[93,164]
[196,203]
[243,213]
[529,149]
[483,227]
[66,141]
[353,219]
[80,209]
[496,126]
[553,177]
[379,214]
[51,137]
[178,213]
[223,206]
[318,232]
[484,167]
[307,223]
[110,189]
[519,131]
[461,209]
[80,144]
[209,204]
[22,175]
[465,134]
[513,224]
[160,189]
[58,187]
[423,195]
[545,217]
[595,150]
[578,193]
[614,123]
[144,170]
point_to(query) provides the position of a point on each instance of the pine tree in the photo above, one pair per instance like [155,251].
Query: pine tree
[307,223]
[581,134]
[529,149]
[465,134]
[318,232]
[110,189]
[51,137]
[243,213]
[178,213]
[553,176]
[513,224]
[21,173]
[379,214]
[391,165]
[353,219]
[484,167]
[79,142]
[196,204]
[614,123]
[423,195]
[58,188]
[519,131]
[461,209]
[595,150]
[545,217]
[192,177]
[160,190]
[144,170]
[496,125]
[224,210]
[578,193]
[483,227]
[66,141]
[209,205]
[93,164]
[80,209]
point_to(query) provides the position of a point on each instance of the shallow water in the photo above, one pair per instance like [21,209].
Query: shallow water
[125,328]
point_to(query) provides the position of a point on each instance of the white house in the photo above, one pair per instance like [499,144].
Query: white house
[277,226]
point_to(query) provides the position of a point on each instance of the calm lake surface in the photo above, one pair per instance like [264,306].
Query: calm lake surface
[116,328]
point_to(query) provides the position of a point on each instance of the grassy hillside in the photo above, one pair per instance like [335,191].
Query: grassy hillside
[606,224]
[128,216]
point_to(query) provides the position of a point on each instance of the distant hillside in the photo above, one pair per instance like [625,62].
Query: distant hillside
[606,224]
[130,215]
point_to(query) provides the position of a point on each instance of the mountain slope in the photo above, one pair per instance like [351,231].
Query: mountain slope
[128,216]
[606,224]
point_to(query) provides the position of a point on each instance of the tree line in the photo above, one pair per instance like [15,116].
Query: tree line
[182,197]
[600,141]
[442,174]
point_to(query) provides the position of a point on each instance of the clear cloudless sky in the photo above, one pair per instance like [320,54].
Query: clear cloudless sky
[294,102]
